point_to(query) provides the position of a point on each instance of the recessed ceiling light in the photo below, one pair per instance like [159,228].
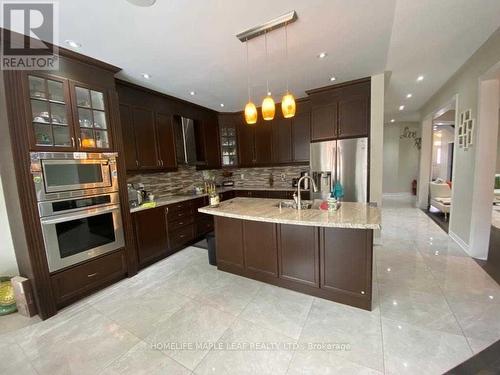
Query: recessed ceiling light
[222,105]
[145,75]
[401,107]
[192,93]
[409,95]
[72,43]
[392,120]
[333,78]
[420,78]
[142,3]
[322,55]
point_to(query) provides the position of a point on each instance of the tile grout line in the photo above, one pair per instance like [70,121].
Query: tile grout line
[379,300]
[447,303]
[300,334]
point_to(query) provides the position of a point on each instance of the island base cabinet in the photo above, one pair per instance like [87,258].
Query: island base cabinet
[260,250]
[229,242]
[299,254]
[330,263]
[346,263]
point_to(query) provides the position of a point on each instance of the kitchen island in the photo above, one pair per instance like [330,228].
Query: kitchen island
[320,253]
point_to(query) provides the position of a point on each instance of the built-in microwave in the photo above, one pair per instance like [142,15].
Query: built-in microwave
[59,175]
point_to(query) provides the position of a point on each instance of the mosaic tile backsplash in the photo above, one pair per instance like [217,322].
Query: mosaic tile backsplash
[187,177]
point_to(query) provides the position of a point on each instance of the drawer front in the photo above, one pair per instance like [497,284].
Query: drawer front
[179,223]
[182,236]
[68,285]
[178,214]
[180,206]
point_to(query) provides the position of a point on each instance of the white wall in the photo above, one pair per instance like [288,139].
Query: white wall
[443,135]
[464,83]
[401,158]
[377,138]
[8,264]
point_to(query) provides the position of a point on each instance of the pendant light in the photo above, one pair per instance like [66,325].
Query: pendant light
[250,109]
[288,106]
[268,108]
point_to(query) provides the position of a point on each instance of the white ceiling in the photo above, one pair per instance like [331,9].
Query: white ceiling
[190,45]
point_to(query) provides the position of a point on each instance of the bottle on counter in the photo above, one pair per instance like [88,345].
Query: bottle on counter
[213,197]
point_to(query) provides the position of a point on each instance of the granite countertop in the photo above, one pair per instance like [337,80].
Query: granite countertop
[176,198]
[352,215]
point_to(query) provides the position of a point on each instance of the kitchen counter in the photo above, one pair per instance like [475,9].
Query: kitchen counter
[176,198]
[350,215]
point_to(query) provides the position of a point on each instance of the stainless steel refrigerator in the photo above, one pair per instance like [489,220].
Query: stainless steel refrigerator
[345,161]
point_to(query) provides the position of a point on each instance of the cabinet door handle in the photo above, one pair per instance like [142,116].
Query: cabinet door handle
[92,275]
[181,223]
[182,236]
[73,141]
[79,142]
[137,162]
[161,161]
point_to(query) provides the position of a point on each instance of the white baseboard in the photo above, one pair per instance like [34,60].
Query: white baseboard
[459,241]
[402,194]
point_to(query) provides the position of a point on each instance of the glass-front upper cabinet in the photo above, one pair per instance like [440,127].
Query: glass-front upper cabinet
[228,144]
[91,118]
[50,112]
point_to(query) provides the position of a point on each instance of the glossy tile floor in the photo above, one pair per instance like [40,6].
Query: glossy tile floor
[434,308]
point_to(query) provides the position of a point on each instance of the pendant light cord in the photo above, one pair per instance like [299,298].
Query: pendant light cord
[286,56]
[267,65]
[248,72]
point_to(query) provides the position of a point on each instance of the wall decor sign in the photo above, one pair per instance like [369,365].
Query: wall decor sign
[466,130]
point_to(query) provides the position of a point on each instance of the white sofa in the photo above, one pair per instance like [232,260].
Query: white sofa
[441,197]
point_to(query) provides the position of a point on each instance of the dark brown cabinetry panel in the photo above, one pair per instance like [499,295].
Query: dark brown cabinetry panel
[301,136]
[299,254]
[151,234]
[128,135]
[211,145]
[341,111]
[324,122]
[246,144]
[165,135]
[260,247]
[346,259]
[73,283]
[282,140]
[264,143]
[227,195]
[354,111]
[229,247]
[145,140]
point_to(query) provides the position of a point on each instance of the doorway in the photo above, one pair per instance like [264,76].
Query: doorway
[437,180]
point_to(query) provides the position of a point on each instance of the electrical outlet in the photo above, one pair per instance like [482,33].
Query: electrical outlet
[242,176]
[283,177]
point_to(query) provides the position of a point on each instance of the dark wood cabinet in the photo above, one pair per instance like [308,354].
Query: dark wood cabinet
[260,247]
[229,247]
[75,282]
[324,122]
[354,111]
[210,143]
[282,140]
[151,235]
[66,115]
[299,254]
[128,134]
[263,143]
[301,136]
[346,260]
[154,118]
[246,144]
[227,195]
[341,111]
[145,138]
[228,138]
[166,141]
